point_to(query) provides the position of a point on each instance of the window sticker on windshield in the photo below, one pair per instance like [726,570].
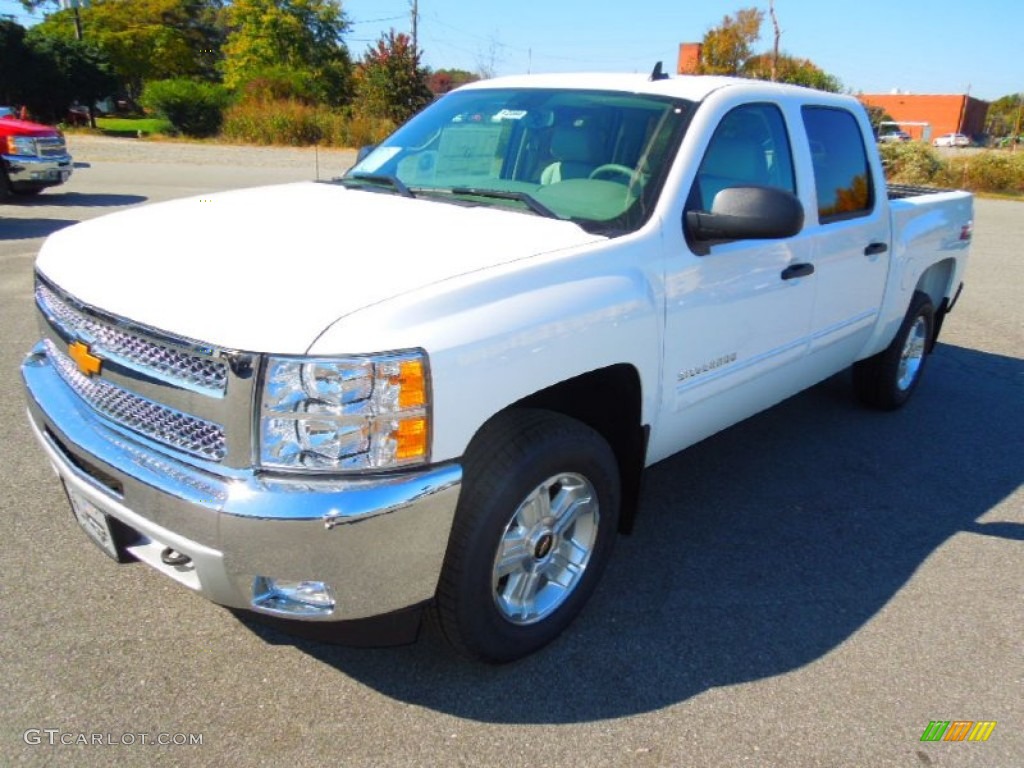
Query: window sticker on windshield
[377,158]
[509,114]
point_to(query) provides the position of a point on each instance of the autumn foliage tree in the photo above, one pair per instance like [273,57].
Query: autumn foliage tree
[295,47]
[727,47]
[790,69]
[390,82]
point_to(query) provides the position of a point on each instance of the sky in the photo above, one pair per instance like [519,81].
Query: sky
[872,46]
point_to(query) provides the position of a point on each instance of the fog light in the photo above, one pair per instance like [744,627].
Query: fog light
[292,598]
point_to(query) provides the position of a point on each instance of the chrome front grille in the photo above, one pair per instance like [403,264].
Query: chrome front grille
[171,427]
[175,366]
[51,146]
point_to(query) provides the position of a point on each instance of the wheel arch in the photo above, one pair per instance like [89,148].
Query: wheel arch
[608,400]
[937,281]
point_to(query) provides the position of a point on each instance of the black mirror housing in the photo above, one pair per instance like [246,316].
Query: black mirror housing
[748,213]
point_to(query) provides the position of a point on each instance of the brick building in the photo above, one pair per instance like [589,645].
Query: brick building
[934,115]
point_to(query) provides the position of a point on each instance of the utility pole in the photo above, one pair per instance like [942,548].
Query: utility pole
[1016,126]
[415,24]
[778,34]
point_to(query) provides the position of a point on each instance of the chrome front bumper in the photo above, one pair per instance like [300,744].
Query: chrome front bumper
[37,171]
[378,542]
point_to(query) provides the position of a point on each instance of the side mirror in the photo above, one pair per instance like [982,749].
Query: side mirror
[748,213]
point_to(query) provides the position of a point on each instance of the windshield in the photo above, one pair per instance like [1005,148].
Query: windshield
[594,157]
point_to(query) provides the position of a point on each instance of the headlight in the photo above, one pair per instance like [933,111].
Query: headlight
[21,145]
[346,413]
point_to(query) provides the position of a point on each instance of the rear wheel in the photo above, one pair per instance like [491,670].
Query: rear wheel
[888,379]
[535,526]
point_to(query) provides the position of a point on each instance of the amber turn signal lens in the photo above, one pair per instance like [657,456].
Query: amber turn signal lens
[411,438]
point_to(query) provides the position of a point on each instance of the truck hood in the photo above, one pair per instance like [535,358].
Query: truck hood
[12,126]
[268,269]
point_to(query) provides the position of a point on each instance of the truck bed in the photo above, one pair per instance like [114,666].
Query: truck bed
[901,191]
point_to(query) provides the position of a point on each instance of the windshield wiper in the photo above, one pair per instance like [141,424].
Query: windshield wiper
[523,197]
[381,178]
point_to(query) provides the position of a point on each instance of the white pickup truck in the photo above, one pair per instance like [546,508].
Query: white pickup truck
[435,382]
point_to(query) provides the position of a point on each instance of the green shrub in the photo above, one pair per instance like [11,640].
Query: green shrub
[912,162]
[294,123]
[194,108]
[998,172]
[986,171]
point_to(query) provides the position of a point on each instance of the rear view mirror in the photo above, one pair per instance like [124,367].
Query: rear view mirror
[748,213]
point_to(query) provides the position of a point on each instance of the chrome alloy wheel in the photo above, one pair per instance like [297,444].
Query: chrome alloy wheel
[545,548]
[912,355]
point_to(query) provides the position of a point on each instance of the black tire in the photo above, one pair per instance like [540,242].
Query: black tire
[507,463]
[28,191]
[5,185]
[888,379]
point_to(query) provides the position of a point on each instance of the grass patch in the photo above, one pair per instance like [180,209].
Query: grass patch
[133,126]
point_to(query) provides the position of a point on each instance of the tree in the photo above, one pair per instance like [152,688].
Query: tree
[1006,115]
[443,80]
[147,39]
[727,50]
[727,47]
[390,81]
[15,62]
[48,74]
[289,40]
[790,69]
[877,116]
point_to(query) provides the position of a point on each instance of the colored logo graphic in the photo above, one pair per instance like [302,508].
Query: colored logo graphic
[958,730]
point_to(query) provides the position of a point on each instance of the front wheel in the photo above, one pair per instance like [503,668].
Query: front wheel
[888,379]
[534,528]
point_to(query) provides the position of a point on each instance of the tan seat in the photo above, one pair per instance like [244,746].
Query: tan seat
[575,149]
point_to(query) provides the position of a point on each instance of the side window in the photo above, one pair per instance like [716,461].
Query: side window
[841,172]
[749,147]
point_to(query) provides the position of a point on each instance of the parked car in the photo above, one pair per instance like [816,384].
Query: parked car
[951,140]
[894,137]
[32,156]
[583,274]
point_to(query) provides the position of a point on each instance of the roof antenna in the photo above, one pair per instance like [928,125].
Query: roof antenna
[657,73]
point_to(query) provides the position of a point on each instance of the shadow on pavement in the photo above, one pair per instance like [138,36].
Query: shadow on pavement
[79,200]
[756,552]
[24,229]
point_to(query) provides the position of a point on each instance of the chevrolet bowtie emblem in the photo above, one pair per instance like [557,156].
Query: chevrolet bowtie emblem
[86,361]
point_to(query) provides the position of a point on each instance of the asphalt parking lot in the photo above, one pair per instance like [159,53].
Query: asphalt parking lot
[809,588]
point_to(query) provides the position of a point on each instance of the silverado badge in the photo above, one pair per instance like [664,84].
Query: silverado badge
[87,362]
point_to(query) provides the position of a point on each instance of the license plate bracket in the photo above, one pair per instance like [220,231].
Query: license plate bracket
[95,522]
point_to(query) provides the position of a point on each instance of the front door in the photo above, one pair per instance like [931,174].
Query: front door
[738,315]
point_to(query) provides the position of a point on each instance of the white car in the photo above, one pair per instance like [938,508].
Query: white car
[951,140]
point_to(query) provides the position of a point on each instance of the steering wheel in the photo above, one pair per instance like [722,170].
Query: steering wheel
[614,169]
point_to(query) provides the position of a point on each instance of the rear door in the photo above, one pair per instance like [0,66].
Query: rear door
[849,237]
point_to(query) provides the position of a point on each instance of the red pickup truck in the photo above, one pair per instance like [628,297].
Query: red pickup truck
[32,156]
